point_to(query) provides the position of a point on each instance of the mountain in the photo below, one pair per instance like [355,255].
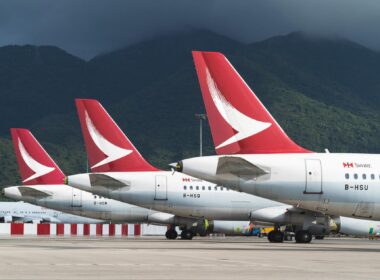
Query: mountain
[332,70]
[322,90]
[36,82]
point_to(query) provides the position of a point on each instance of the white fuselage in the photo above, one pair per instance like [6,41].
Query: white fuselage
[178,194]
[71,200]
[333,184]
[25,212]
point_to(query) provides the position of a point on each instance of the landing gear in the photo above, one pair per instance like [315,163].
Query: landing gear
[187,234]
[288,236]
[303,236]
[276,236]
[171,234]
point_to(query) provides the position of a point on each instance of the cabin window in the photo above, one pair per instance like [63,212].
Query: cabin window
[197,188]
[203,188]
[216,188]
[191,187]
[364,176]
[355,176]
[184,187]
[209,188]
[221,188]
[347,176]
[373,176]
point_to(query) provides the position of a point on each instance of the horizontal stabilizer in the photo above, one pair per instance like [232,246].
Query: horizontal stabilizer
[239,167]
[107,182]
[32,192]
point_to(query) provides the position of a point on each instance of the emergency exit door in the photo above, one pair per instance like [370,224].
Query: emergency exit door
[161,188]
[313,176]
[76,197]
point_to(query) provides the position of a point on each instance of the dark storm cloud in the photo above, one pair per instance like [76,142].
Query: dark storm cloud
[87,27]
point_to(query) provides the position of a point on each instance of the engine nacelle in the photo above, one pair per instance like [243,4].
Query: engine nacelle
[318,224]
[160,218]
[232,227]
[357,227]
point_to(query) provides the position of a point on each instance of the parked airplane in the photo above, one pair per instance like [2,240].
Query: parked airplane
[43,186]
[256,156]
[20,212]
[121,173]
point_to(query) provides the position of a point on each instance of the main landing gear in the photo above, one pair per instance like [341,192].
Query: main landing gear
[276,236]
[303,236]
[186,234]
[171,233]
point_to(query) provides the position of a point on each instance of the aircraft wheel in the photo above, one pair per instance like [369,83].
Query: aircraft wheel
[288,236]
[303,236]
[171,234]
[187,234]
[276,236]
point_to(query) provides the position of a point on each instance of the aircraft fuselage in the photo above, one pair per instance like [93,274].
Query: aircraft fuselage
[334,184]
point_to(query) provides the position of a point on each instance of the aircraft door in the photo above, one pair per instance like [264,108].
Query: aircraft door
[313,176]
[161,188]
[76,198]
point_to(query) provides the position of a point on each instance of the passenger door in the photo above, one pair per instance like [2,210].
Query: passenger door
[161,188]
[76,198]
[313,176]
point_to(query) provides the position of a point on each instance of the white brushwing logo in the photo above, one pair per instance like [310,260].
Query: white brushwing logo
[244,125]
[38,169]
[112,151]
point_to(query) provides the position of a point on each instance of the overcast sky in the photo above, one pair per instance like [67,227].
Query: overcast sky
[88,27]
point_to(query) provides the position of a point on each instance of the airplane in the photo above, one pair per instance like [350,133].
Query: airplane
[256,156]
[120,172]
[43,186]
[21,212]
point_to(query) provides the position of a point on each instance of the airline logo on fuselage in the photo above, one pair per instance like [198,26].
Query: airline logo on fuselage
[356,165]
[112,151]
[187,179]
[244,125]
[38,168]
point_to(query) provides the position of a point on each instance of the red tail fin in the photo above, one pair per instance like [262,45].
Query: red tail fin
[35,164]
[108,148]
[239,121]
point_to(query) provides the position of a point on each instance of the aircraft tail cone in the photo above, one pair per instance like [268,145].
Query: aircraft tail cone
[178,166]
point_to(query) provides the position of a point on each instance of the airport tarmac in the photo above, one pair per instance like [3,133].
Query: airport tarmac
[201,258]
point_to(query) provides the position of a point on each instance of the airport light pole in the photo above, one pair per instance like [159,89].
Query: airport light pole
[201,118]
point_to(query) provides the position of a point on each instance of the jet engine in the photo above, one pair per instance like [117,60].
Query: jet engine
[356,227]
[317,224]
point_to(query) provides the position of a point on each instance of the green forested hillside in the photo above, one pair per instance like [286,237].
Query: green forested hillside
[323,91]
